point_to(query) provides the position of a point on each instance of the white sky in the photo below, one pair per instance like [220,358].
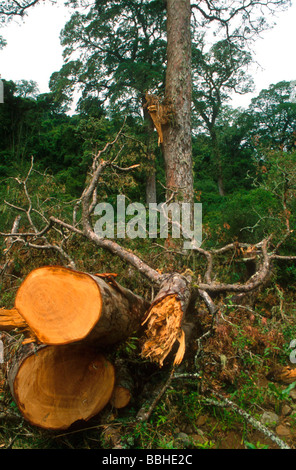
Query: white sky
[34,52]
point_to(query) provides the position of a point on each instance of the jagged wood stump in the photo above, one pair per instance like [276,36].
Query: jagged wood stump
[56,386]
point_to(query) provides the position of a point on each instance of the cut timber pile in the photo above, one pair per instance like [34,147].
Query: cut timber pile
[62,376]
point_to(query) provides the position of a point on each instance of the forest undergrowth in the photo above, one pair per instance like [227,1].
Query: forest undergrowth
[239,360]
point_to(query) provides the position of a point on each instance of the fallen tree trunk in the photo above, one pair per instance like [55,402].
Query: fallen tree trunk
[55,386]
[62,306]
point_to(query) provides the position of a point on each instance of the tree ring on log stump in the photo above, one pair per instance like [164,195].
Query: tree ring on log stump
[60,305]
[59,385]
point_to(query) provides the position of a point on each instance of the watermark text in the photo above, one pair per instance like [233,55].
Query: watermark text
[178,220]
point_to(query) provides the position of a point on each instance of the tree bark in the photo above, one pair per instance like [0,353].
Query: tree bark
[56,386]
[177,144]
[150,164]
[62,306]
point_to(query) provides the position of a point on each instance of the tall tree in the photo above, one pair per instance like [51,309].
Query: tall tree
[122,47]
[121,56]
[274,115]
[217,74]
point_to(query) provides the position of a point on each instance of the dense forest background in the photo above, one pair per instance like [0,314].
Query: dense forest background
[244,163]
[256,148]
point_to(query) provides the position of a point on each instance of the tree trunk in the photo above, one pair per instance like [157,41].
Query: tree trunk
[151,181]
[165,318]
[62,306]
[217,160]
[177,144]
[150,163]
[55,386]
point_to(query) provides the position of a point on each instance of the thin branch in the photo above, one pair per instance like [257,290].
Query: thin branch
[144,414]
[226,402]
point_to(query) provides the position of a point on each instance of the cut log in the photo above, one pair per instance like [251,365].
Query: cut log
[121,397]
[62,306]
[56,386]
[124,384]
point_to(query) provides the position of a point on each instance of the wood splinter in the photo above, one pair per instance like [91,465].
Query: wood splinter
[163,329]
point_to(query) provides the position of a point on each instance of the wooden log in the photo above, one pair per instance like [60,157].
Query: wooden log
[165,318]
[56,386]
[121,397]
[122,392]
[61,306]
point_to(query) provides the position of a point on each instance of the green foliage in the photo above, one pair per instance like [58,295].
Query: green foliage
[274,116]
[122,53]
[114,52]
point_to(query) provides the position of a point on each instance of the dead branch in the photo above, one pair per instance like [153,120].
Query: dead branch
[226,402]
[35,239]
[147,409]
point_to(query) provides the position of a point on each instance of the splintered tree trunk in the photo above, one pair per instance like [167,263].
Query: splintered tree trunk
[62,306]
[165,319]
[54,387]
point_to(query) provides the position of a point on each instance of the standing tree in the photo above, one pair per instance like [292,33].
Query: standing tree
[274,117]
[216,75]
[121,56]
[177,146]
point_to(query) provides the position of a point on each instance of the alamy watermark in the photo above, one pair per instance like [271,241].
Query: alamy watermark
[293,352]
[175,219]
[1,352]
